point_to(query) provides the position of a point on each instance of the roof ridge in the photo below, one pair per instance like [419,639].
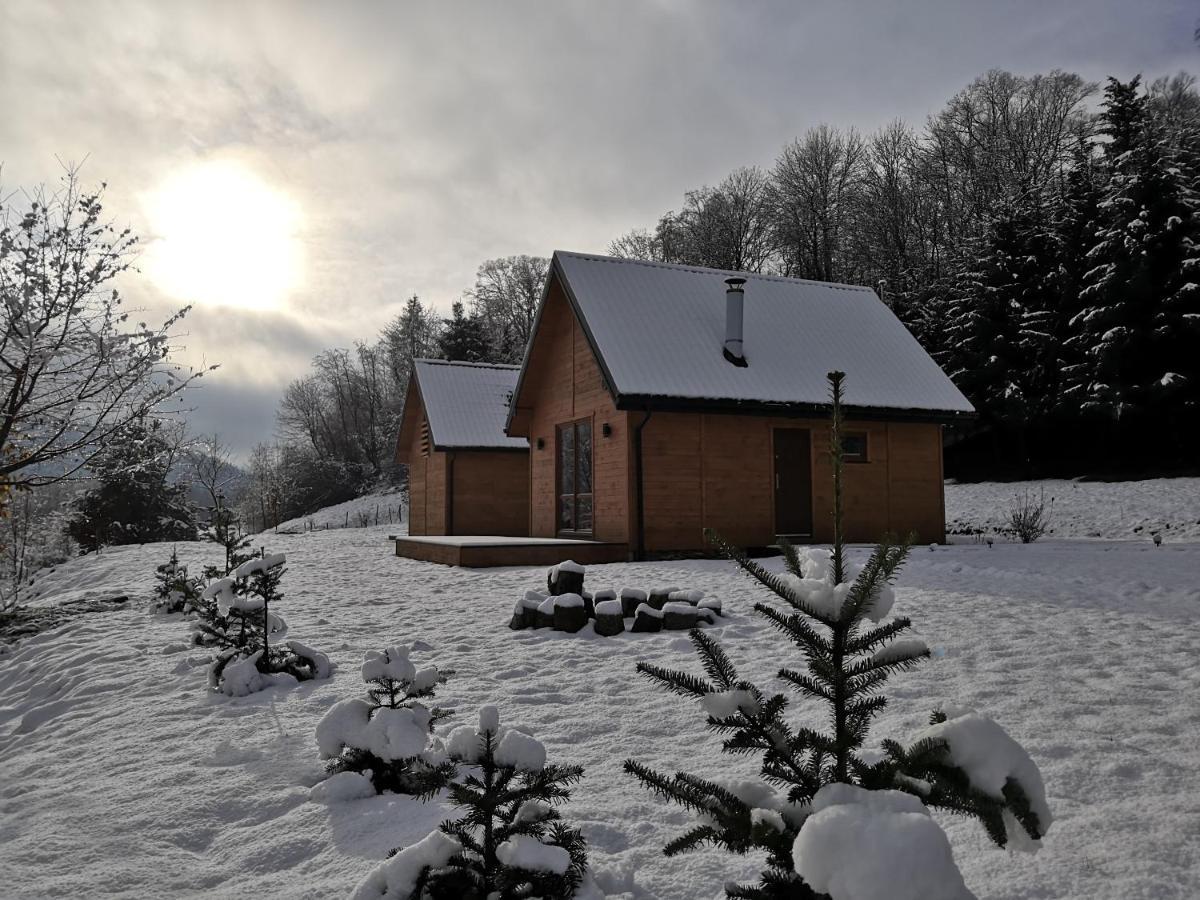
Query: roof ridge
[705,270]
[464,363]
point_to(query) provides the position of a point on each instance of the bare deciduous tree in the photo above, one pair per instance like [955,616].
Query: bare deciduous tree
[343,409]
[815,184]
[212,468]
[1000,137]
[75,369]
[726,227]
[506,296]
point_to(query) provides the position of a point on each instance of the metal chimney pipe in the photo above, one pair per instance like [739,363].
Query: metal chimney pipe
[735,296]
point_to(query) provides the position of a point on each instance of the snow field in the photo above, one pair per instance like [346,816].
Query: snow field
[1121,510]
[336,516]
[125,776]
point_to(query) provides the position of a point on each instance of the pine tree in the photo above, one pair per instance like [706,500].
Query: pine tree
[510,842]
[133,501]
[831,610]
[998,338]
[1075,219]
[176,591]
[243,606]
[362,735]
[464,337]
[225,528]
[1138,329]
[229,616]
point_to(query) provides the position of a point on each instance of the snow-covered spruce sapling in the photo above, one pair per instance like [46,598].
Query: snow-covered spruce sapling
[175,591]
[509,843]
[230,614]
[387,738]
[225,528]
[847,810]
[252,663]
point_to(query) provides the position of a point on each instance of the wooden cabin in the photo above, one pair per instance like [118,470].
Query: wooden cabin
[465,475]
[659,400]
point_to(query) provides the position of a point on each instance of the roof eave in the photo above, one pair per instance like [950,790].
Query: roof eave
[487,448]
[659,403]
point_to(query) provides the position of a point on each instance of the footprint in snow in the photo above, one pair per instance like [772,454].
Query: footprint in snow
[225,754]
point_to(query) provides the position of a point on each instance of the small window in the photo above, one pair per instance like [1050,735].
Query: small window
[424,437]
[854,447]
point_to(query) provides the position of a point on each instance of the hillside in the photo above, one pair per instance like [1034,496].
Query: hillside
[107,719]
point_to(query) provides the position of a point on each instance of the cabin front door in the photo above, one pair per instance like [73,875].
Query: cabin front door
[793,482]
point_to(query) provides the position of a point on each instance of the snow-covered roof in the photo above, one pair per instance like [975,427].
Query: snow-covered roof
[658,330]
[466,403]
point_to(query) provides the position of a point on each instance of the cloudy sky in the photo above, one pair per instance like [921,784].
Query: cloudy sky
[296,170]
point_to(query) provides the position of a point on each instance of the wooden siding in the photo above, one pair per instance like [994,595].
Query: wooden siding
[717,471]
[427,493]
[564,383]
[468,491]
[490,492]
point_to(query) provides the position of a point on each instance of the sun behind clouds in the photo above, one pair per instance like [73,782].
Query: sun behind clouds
[223,236]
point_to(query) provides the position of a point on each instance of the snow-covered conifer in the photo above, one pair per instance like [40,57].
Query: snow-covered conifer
[134,501]
[228,616]
[1001,346]
[243,626]
[510,842]
[386,738]
[176,591]
[834,611]
[1141,302]
[225,528]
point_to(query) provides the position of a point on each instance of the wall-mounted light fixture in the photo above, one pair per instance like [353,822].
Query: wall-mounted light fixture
[606,430]
[541,444]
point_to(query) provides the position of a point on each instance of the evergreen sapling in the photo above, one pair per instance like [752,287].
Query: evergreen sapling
[175,591]
[250,663]
[225,528]
[846,810]
[509,843]
[230,613]
[217,626]
[387,737]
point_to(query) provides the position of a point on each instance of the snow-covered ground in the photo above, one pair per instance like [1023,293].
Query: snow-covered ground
[1121,510]
[352,513]
[124,777]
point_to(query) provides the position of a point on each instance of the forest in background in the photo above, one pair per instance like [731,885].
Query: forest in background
[1038,235]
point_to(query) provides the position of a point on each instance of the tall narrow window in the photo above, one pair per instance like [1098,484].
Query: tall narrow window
[575,477]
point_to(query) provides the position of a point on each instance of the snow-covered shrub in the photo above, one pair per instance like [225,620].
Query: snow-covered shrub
[854,822]
[1028,519]
[175,591]
[387,738]
[237,617]
[509,842]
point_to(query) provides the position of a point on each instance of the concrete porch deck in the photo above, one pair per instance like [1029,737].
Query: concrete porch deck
[481,551]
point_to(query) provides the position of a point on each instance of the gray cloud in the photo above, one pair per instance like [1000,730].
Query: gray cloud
[420,139]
